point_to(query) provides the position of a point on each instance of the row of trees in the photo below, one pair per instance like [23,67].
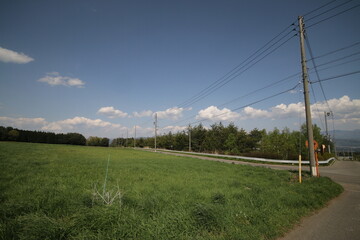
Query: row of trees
[98,141]
[18,135]
[279,144]
[14,134]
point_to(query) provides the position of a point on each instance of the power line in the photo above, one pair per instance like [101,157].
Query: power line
[335,77]
[351,61]
[281,80]
[328,10]
[318,8]
[235,72]
[316,71]
[225,81]
[260,89]
[335,51]
[218,83]
[316,106]
[339,13]
[339,59]
[297,74]
[250,104]
[248,94]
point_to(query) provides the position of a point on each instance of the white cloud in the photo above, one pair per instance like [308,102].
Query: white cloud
[111,112]
[71,123]
[250,112]
[215,114]
[23,123]
[287,111]
[345,110]
[172,113]
[9,56]
[84,125]
[146,113]
[54,79]
[173,129]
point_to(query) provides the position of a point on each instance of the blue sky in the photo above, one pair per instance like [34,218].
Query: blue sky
[102,67]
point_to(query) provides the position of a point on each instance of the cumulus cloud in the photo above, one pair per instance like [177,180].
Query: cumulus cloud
[26,123]
[345,110]
[343,105]
[250,112]
[216,114]
[9,56]
[76,124]
[287,111]
[54,79]
[173,129]
[111,112]
[146,113]
[172,113]
[71,123]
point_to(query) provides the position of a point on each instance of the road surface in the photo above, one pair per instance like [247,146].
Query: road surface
[341,218]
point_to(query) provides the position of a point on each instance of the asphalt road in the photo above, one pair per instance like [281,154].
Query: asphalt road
[340,219]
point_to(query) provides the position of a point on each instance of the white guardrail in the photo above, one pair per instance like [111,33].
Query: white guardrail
[249,158]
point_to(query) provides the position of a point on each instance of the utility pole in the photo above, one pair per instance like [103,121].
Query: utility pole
[189,138]
[127,136]
[155,125]
[327,114]
[134,136]
[307,99]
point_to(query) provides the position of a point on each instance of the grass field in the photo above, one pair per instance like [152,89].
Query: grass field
[47,192]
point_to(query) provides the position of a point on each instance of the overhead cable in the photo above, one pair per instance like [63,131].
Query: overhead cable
[234,75]
[335,77]
[250,104]
[218,83]
[316,71]
[337,14]
[329,10]
[308,13]
[334,51]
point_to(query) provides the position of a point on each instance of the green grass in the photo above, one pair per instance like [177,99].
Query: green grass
[46,193]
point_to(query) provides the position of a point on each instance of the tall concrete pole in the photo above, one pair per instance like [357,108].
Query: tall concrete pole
[307,99]
[189,138]
[127,136]
[327,114]
[134,136]
[326,125]
[155,124]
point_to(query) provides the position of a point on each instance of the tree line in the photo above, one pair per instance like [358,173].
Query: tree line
[276,144]
[18,135]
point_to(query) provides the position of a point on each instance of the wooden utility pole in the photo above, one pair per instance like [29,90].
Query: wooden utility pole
[134,136]
[127,136]
[307,99]
[155,125]
[189,138]
[327,114]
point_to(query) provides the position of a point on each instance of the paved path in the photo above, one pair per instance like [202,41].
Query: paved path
[340,219]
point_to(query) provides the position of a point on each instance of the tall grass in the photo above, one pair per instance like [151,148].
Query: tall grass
[46,192]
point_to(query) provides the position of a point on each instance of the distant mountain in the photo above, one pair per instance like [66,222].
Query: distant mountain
[346,140]
[348,135]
